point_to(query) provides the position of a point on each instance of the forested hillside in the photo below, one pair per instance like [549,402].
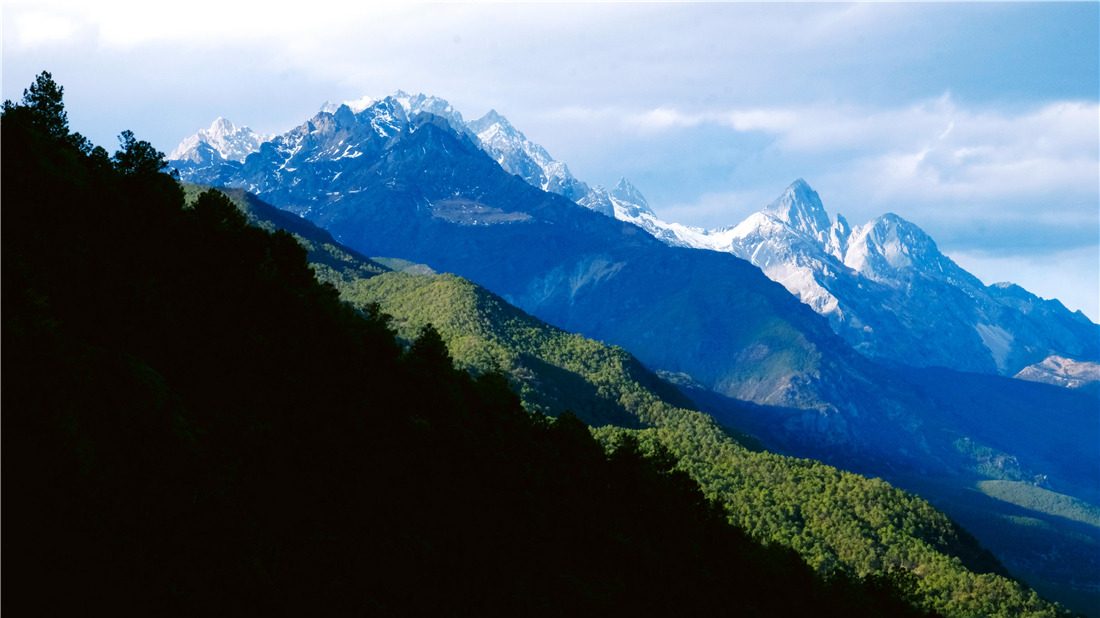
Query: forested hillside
[195,425]
[834,519]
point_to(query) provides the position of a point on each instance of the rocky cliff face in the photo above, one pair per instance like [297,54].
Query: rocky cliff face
[1064,372]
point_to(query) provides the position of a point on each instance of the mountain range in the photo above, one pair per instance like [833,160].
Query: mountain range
[889,292]
[885,287]
[394,180]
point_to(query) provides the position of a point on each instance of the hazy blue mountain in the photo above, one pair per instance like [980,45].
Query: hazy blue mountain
[885,286]
[1030,439]
[415,188]
[887,289]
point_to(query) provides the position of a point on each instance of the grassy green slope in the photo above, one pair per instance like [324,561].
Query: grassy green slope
[832,518]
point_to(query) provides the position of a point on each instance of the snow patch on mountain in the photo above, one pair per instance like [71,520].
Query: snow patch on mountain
[229,142]
[800,209]
[519,155]
[355,106]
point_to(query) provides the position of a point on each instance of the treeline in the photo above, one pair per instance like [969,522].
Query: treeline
[837,521]
[195,425]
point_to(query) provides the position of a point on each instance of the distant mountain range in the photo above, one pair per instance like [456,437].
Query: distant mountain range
[397,181]
[891,294]
[393,181]
[885,287]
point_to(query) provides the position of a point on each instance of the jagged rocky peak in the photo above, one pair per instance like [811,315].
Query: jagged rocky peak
[630,199]
[485,126]
[889,244]
[800,208]
[386,116]
[840,232]
[492,117]
[356,106]
[421,103]
[627,192]
[231,143]
[392,104]
[599,200]
[344,115]
[840,224]
[409,104]
[221,128]
[528,160]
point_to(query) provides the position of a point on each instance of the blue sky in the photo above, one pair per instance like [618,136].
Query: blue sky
[979,122]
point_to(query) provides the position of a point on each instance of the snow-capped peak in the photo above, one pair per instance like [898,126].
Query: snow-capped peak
[800,208]
[628,197]
[415,104]
[360,104]
[221,128]
[889,244]
[495,127]
[492,117]
[231,143]
[356,106]
[519,155]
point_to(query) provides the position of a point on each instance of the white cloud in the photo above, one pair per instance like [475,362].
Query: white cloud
[661,118]
[716,209]
[934,150]
[127,25]
[38,28]
[769,120]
